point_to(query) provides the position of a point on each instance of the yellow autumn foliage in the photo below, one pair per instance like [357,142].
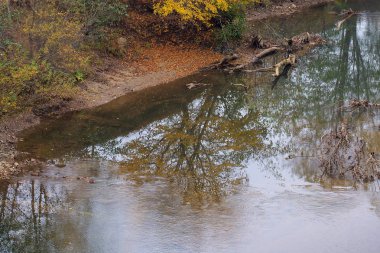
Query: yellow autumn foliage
[197,10]
[55,36]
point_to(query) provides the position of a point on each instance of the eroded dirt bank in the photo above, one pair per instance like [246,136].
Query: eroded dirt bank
[156,64]
[284,8]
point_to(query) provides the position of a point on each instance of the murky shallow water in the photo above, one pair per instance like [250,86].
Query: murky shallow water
[207,170]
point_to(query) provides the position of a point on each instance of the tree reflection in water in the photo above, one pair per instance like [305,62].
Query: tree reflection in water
[309,104]
[27,212]
[201,149]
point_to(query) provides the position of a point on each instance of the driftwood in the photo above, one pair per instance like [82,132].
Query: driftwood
[225,63]
[291,60]
[340,23]
[283,74]
[228,59]
[232,63]
[259,70]
[235,68]
[265,53]
[346,14]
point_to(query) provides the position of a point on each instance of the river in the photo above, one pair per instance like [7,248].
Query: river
[215,169]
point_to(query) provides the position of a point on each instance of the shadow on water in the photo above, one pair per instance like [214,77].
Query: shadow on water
[209,163]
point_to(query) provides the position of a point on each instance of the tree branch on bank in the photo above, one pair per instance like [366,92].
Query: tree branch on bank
[265,53]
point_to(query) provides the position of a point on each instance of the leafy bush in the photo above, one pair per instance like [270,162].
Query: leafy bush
[197,10]
[46,46]
[232,25]
[21,78]
[98,14]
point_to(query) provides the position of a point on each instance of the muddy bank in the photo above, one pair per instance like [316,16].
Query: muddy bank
[157,64]
[283,8]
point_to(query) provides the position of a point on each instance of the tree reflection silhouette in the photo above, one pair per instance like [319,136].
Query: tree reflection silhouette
[310,103]
[24,217]
[202,148]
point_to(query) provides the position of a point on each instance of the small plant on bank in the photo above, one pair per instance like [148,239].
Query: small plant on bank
[232,25]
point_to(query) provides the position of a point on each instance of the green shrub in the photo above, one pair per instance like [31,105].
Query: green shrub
[232,26]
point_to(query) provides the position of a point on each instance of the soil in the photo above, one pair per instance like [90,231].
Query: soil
[156,64]
[283,8]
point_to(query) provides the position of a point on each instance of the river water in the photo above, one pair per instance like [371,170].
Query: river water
[216,169]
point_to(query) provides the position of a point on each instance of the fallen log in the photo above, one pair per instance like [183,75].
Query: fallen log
[224,63]
[291,60]
[346,14]
[340,23]
[236,68]
[284,74]
[265,53]
[226,60]
[259,70]
[232,63]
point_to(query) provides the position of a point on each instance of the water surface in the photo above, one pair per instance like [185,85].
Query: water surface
[207,170]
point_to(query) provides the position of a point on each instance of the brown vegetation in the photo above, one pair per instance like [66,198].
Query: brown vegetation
[343,155]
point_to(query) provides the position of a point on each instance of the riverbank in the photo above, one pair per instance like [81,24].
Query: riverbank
[284,8]
[155,65]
